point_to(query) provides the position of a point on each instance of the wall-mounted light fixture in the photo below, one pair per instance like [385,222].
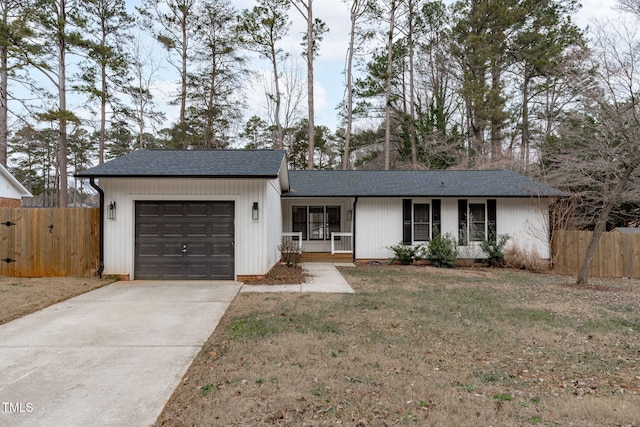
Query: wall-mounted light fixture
[111,210]
[255,212]
[349,215]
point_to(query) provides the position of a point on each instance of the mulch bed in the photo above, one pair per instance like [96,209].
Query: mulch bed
[280,274]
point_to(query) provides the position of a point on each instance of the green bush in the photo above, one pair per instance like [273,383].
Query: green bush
[442,251]
[493,248]
[403,253]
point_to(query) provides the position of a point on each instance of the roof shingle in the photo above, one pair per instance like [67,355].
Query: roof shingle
[192,164]
[432,183]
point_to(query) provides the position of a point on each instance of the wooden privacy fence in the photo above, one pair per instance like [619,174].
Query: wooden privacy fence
[38,242]
[618,254]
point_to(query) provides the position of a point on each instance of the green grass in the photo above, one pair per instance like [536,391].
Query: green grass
[260,325]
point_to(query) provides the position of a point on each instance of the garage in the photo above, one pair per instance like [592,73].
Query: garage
[184,240]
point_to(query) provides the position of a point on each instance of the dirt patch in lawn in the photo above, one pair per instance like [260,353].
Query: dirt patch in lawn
[422,346]
[281,274]
[22,295]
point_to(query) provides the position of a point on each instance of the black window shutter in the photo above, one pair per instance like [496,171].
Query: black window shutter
[406,221]
[462,222]
[491,217]
[436,226]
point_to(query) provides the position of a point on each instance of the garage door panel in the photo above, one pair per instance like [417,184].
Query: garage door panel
[206,228]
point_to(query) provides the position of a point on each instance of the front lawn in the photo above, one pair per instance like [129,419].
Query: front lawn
[24,295]
[422,346]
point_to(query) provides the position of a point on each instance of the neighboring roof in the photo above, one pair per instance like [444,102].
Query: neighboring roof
[627,230]
[192,164]
[432,183]
[19,190]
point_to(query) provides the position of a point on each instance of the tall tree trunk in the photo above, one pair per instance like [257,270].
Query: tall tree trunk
[4,106]
[310,51]
[387,95]
[103,107]
[524,145]
[496,116]
[276,80]
[62,94]
[347,133]
[412,102]
[183,88]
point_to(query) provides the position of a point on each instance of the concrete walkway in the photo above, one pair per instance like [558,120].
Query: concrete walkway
[110,357]
[113,356]
[322,277]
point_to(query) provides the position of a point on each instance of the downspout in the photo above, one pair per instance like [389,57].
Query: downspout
[101,193]
[355,202]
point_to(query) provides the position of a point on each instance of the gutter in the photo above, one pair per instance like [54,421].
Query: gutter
[355,202]
[100,269]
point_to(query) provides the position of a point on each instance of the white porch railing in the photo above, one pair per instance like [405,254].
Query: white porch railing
[341,243]
[293,236]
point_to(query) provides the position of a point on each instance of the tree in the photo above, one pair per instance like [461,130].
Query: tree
[359,9]
[261,29]
[388,79]
[174,24]
[539,46]
[59,25]
[107,24]
[13,31]
[325,154]
[597,154]
[143,111]
[316,28]
[214,86]
[33,151]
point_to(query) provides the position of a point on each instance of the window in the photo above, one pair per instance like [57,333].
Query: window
[476,221]
[299,215]
[420,222]
[315,222]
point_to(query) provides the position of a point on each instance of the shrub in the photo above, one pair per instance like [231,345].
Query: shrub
[403,253]
[516,257]
[442,251]
[290,251]
[493,248]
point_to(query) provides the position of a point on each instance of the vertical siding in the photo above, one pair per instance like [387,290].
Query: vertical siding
[250,236]
[526,221]
[378,225]
[273,218]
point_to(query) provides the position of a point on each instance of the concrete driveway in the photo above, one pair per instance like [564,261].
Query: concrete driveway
[110,357]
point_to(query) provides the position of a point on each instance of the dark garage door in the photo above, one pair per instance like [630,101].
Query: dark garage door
[184,240]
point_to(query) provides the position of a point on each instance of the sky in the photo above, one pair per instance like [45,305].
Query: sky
[329,66]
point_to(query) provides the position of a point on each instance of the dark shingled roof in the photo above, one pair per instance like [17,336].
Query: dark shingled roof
[192,164]
[433,183]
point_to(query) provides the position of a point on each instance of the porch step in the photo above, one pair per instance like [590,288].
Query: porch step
[325,257]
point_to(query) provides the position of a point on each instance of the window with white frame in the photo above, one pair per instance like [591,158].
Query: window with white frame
[476,221]
[421,222]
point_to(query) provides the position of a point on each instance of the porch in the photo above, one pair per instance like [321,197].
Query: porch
[339,247]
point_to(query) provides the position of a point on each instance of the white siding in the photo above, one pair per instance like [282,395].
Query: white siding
[526,221]
[251,252]
[378,225]
[273,221]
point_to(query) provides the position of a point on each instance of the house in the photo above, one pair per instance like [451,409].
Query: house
[11,191]
[222,214]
